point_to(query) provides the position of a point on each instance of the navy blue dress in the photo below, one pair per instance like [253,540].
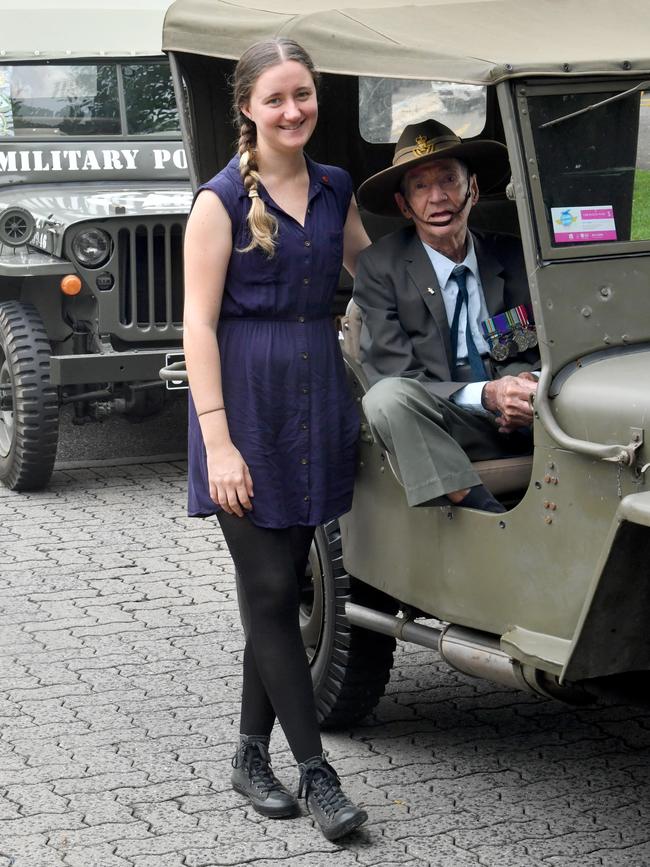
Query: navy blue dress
[289,409]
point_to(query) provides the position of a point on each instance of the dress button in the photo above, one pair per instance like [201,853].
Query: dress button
[305,390]
[307,243]
[305,281]
[305,355]
[301,319]
[304,425]
[304,461]
[307,498]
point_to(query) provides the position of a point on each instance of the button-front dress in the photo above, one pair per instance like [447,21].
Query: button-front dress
[289,408]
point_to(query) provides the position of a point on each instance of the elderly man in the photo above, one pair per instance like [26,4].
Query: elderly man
[451,378]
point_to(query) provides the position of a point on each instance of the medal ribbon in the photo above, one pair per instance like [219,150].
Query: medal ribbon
[504,323]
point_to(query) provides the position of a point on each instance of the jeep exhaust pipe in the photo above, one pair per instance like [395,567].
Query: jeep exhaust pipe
[470,651]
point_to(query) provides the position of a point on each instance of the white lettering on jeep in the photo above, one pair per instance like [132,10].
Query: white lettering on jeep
[8,162]
[90,160]
[161,156]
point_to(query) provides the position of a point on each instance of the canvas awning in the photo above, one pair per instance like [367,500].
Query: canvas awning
[58,29]
[475,41]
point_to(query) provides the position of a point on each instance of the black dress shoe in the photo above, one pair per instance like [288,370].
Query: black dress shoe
[480,498]
[253,777]
[334,812]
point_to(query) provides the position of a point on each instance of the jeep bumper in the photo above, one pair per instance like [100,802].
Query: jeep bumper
[134,366]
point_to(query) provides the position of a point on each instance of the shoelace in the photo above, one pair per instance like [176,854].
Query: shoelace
[254,758]
[323,782]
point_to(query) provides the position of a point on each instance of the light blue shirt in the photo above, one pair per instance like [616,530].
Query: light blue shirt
[470,395]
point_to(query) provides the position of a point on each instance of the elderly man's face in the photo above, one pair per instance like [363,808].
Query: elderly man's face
[438,197]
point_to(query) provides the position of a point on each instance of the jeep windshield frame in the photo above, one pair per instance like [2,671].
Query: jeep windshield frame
[135,94]
[588,185]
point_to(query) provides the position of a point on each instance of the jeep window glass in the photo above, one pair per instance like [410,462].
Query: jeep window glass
[52,101]
[387,105]
[594,166]
[149,97]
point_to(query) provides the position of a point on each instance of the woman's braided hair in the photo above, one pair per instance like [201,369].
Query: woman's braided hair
[254,61]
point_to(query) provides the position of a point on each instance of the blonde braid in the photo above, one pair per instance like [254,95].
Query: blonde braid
[262,225]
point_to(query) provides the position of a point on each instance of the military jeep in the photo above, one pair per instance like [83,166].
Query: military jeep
[554,595]
[93,202]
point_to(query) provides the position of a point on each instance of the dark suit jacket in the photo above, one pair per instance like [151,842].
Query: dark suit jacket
[405,331]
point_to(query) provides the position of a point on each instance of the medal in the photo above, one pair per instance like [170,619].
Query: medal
[499,351]
[521,339]
[509,333]
[531,338]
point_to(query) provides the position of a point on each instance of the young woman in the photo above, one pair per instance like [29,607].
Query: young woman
[272,426]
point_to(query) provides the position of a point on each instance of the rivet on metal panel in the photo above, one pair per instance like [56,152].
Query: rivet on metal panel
[586,312]
[553,506]
[502,525]
[547,504]
[555,480]
[548,520]
[625,338]
[605,292]
[547,479]
[551,465]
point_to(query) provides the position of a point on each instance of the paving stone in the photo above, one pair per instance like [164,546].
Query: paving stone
[36,799]
[121,650]
[94,856]
[30,851]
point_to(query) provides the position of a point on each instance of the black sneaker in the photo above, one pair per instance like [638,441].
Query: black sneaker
[253,777]
[334,812]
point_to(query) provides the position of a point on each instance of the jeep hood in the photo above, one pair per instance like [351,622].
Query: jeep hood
[56,209]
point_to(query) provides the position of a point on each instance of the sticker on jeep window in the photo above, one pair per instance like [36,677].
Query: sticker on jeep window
[576,225]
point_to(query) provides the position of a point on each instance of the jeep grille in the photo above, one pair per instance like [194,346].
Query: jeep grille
[151,275]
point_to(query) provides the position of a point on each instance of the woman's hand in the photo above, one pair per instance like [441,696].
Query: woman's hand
[231,485]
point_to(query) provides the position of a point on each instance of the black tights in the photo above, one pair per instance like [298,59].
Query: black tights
[277,681]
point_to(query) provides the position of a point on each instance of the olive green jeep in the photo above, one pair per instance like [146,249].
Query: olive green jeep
[553,596]
[94,196]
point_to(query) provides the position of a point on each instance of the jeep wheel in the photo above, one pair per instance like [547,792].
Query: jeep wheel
[350,666]
[29,409]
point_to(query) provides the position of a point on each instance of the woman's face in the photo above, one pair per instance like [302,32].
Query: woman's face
[283,107]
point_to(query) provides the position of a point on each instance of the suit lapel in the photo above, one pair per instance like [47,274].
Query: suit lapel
[490,269]
[421,273]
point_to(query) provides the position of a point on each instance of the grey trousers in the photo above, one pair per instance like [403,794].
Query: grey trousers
[433,440]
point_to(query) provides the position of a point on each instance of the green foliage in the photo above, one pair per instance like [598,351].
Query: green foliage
[641,206]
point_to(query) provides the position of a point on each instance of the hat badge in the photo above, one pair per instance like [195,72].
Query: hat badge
[423,146]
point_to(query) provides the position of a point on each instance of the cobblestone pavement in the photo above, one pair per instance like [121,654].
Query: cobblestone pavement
[121,653]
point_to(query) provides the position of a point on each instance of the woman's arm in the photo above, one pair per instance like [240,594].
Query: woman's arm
[355,238]
[208,247]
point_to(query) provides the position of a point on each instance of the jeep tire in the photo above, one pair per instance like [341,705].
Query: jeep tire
[29,409]
[350,666]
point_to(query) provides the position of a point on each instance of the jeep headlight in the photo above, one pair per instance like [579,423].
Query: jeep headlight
[92,247]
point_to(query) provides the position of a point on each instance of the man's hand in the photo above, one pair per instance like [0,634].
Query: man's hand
[510,399]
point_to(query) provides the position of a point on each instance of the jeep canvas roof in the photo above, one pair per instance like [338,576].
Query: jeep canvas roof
[476,42]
